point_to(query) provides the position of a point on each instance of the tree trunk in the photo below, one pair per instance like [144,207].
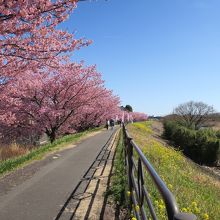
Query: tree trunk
[51,134]
[52,137]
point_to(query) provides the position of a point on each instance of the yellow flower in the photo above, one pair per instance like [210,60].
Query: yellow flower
[205,216]
[137,208]
[133,218]
[161,201]
[194,204]
[128,193]
[184,210]
[161,206]
[196,210]
[170,186]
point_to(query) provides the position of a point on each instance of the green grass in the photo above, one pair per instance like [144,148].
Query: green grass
[118,187]
[39,153]
[195,191]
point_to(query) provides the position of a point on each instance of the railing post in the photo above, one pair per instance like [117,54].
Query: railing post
[130,163]
[125,144]
[130,168]
[140,183]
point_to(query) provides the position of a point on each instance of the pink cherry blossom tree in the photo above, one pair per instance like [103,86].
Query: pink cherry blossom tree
[96,114]
[40,90]
[49,100]
[127,117]
[138,116]
[19,17]
[28,35]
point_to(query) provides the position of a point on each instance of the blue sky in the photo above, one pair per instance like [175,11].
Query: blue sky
[154,54]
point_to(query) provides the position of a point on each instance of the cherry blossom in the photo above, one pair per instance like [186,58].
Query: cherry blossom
[55,101]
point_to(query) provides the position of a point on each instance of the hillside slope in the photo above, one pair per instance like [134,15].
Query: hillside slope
[195,190]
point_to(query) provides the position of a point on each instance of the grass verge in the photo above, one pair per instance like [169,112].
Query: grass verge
[195,191]
[11,151]
[118,187]
[37,154]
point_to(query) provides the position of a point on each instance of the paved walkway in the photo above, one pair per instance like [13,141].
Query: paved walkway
[56,190]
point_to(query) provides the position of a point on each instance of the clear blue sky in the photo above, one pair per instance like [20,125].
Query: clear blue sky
[155,54]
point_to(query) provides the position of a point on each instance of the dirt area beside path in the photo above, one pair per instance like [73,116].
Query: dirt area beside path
[158,129]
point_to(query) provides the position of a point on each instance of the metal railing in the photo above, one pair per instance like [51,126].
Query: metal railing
[138,189]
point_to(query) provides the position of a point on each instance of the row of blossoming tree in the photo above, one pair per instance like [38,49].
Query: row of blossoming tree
[41,90]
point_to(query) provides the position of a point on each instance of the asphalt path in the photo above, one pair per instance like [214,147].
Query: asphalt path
[41,196]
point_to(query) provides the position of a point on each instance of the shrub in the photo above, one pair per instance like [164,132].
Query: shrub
[202,146]
[169,127]
[218,134]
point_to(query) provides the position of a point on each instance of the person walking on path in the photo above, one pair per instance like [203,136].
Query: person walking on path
[112,123]
[107,124]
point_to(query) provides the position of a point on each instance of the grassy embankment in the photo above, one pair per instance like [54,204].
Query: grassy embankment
[40,152]
[194,190]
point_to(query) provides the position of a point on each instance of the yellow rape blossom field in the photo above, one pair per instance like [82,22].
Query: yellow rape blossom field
[194,189]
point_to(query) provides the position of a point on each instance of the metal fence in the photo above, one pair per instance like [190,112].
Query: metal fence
[139,195]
